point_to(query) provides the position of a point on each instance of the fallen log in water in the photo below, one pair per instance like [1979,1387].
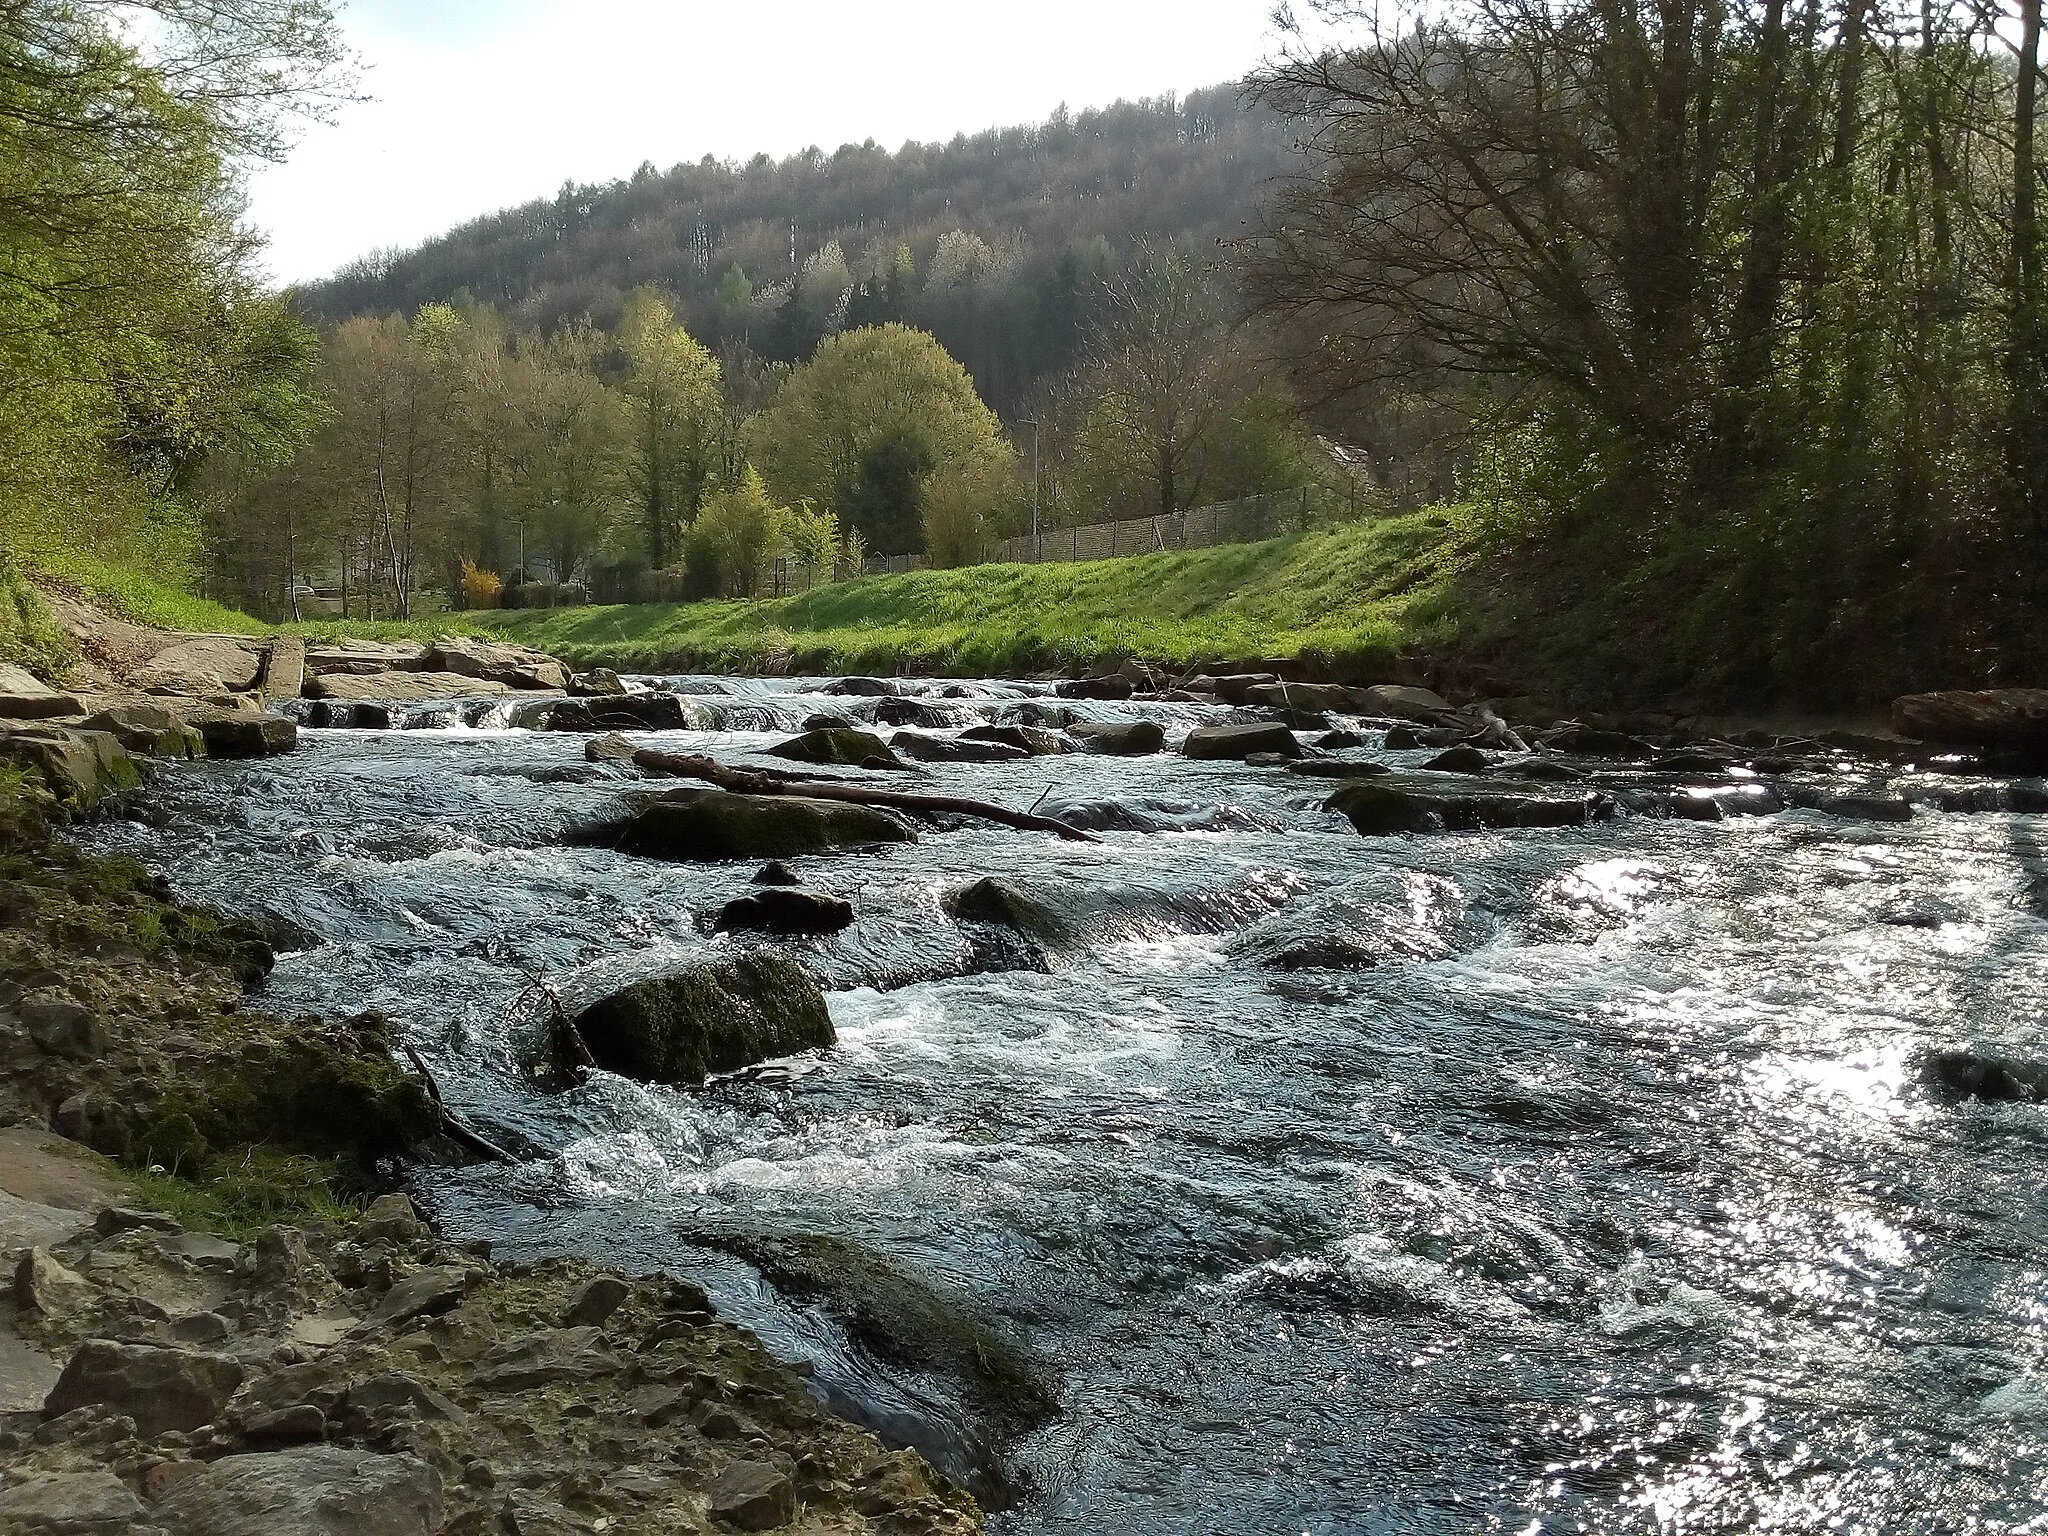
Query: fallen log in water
[752,781]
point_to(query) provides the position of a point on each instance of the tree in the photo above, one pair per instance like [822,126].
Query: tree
[740,529]
[1172,405]
[859,428]
[672,383]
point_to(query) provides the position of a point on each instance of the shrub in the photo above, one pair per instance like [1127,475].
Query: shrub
[480,588]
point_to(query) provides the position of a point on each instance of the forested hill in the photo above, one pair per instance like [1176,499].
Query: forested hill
[989,241]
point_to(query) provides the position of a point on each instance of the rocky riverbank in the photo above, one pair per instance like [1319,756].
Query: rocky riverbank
[309,1366]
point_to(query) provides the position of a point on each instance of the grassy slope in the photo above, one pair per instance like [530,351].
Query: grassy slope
[1366,590]
[132,594]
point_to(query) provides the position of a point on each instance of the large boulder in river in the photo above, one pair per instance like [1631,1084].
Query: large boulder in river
[627,712]
[1121,738]
[852,749]
[201,665]
[953,749]
[863,688]
[1224,743]
[712,824]
[241,733]
[777,909]
[711,1015]
[1026,738]
[2014,718]
[1453,803]
[330,658]
[1109,689]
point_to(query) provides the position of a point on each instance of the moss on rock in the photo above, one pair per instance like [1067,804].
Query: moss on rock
[712,824]
[711,1016]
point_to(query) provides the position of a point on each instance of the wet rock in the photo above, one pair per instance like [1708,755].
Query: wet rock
[2010,718]
[751,1496]
[516,666]
[1588,741]
[845,748]
[990,900]
[81,768]
[829,723]
[94,1503]
[1541,770]
[1865,807]
[1236,687]
[714,824]
[1365,769]
[1309,698]
[1219,743]
[1459,759]
[1053,717]
[1339,741]
[24,696]
[1408,803]
[160,1389]
[775,872]
[953,749]
[1688,807]
[596,1302]
[1267,759]
[1026,738]
[863,687]
[785,911]
[1324,954]
[631,712]
[913,712]
[712,1015]
[541,1359]
[236,734]
[2029,796]
[1150,813]
[65,1029]
[1137,738]
[316,1490]
[613,748]
[1110,689]
[911,1321]
[1401,738]
[1982,1072]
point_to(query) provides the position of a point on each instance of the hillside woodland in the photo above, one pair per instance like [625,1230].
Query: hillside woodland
[1726,323]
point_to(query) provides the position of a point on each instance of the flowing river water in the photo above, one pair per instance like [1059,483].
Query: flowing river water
[1614,1197]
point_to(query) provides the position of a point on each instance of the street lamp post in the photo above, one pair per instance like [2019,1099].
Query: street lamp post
[1036,552]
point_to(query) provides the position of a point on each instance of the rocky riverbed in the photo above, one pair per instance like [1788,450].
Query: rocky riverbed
[1353,1110]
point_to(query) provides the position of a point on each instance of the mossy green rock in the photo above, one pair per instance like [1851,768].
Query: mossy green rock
[80,768]
[710,1016]
[846,748]
[713,824]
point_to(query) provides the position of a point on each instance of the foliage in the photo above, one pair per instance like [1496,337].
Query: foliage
[119,588]
[741,529]
[678,417]
[481,588]
[240,1194]
[990,241]
[862,426]
[137,352]
[1749,287]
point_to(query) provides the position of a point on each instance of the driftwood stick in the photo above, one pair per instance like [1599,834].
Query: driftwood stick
[747,781]
[449,1121]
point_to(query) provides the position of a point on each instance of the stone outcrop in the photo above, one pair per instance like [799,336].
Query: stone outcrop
[517,667]
[1136,738]
[241,733]
[24,696]
[953,749]
[711,1015]
[202,664]
[2011,718]
[80,768]
[779,910]
[403,686]
[1224,743]
[1026,738]
[712,824]
[1417,803]
[628,712]
[284,668]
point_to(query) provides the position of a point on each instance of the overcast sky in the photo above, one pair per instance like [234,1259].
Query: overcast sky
[483,104]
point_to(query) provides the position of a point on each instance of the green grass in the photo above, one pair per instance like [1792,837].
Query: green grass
[130,594]
[239,1195]
[1364,591]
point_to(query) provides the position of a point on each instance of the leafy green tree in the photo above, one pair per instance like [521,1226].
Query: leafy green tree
[672,383]
[860,427]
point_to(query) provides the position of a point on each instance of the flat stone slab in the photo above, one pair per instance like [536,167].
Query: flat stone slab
[205,664]
[405,687]
[44,1169]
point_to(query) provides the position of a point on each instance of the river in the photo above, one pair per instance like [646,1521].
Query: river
[1614,1198]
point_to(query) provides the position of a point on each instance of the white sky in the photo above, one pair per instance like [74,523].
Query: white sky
[485,104]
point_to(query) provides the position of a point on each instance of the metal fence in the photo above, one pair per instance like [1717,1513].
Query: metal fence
[1244,521]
